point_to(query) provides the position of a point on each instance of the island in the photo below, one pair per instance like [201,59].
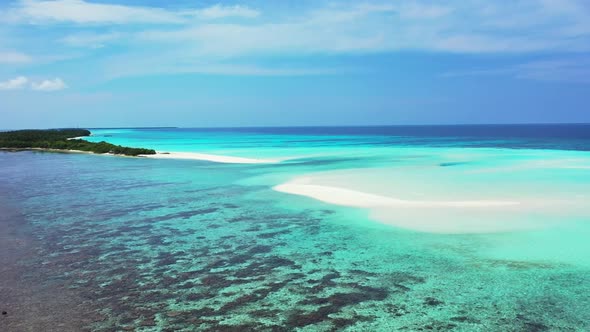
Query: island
[63,140]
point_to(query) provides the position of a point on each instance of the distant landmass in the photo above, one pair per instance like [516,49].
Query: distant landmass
[63,140]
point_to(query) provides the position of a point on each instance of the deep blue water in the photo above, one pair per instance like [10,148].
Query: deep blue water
[532,136]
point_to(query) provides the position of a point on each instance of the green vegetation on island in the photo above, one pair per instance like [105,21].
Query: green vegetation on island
[63,139]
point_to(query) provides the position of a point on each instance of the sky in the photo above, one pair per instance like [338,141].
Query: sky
[135,63]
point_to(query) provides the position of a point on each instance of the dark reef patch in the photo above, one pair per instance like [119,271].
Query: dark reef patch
[431,301]
[273,234]
[334,303]
[301,319]
[325,282]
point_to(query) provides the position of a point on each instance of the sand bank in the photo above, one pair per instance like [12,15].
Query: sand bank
[432,215]
[353,198]
[211,157]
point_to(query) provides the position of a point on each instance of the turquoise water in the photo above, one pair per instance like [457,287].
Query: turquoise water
[189,245]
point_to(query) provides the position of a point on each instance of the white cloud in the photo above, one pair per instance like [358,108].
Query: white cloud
[219,37]
[14,58]
[49,85]
[458,26]
[475,26]
[172,64]
[87,12]
[22,82]
[564,70]
[16,83]
[83,12]
[90,40]
[219,11]
[555,70]
[415,10]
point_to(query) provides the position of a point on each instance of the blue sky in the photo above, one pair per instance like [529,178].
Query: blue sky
[273,63]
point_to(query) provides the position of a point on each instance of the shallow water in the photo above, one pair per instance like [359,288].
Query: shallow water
[193,245]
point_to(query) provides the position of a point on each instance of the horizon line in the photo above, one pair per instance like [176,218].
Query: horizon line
[314,126]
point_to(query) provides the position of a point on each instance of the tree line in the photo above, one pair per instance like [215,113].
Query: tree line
[63,139]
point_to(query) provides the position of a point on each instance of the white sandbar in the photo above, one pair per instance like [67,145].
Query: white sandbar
[353,198]
[210,157]
[428,215]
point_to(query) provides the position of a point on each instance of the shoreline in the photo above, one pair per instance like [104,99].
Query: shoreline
[163,155]
[48,150]
[61,151]
[69,152]
[64,141]
[203,157]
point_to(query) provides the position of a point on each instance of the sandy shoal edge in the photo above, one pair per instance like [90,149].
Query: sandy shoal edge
[359,199]
[68,151]
[165,155]
[210,157]
[442,217]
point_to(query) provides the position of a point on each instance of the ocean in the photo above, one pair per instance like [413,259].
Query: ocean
[444,228]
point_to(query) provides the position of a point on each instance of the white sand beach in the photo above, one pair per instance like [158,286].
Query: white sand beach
[414,205]
[210,157]
[347,197]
